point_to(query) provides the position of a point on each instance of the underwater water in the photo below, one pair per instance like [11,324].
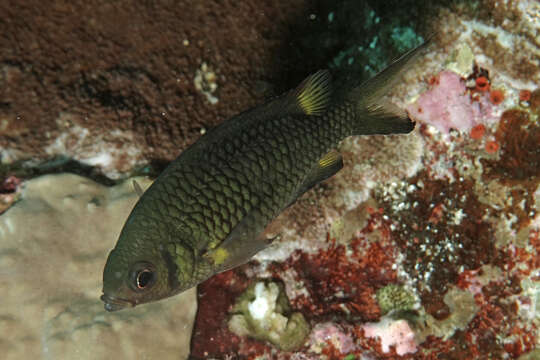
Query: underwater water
[423,246]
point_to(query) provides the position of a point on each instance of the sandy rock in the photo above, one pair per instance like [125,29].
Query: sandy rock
[53,246]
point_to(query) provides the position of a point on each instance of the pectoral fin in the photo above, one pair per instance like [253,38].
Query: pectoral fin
[327,166]
[244,241]
[248,238]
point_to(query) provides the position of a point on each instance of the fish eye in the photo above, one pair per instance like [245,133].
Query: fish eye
[143,276]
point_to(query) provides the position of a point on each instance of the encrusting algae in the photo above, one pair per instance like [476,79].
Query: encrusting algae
[208,210]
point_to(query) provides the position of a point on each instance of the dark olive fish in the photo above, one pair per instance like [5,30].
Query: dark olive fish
[207,211]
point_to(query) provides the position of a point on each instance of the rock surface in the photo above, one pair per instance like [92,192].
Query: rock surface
[53,246]
[114,85]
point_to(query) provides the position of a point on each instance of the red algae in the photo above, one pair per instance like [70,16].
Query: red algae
[446,237]
[340,283]
[482,84]
[211,336]
[524,95]
[443,250]
[478,131]
[520,154]
[518,165]
[535,100]
[496,318]
[492,147]
[10,190]
[528,258]
[441,235]
[496,96]
[434,80]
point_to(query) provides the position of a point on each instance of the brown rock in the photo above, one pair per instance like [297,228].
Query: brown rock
[130,67]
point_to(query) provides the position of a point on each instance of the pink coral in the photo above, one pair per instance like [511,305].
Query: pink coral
[329,333]
[448,105]
[396,333]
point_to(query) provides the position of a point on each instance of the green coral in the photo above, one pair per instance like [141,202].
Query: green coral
[405,38]
[263,313]
[395,297]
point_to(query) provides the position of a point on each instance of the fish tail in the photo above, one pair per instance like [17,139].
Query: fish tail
[375,114]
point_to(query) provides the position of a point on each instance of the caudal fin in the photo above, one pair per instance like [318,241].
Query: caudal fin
[375,114]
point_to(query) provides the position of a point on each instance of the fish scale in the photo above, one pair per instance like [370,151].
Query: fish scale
[208,210]
[293,143]
[299,150]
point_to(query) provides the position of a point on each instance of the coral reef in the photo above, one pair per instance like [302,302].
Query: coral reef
[395,333]
[263,312]
[423,247]
[330,333]
[448,213]
[448,106]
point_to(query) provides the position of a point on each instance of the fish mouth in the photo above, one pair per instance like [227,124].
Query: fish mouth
[114,304]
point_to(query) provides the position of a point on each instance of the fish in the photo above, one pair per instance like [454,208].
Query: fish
[208,210]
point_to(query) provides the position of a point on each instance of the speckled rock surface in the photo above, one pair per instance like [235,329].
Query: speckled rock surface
[115,84]
[53,246]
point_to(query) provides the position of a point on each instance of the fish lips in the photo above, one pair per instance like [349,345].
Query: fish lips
[114,304]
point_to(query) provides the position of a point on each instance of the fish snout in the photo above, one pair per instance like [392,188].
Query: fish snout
[114,304]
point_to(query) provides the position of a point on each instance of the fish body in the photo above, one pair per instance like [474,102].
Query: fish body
[208,210]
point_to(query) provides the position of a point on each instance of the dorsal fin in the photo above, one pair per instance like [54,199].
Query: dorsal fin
[314,93]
